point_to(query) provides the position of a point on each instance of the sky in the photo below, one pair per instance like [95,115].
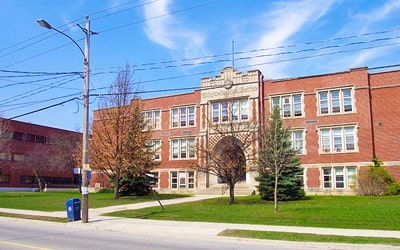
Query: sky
[171,44]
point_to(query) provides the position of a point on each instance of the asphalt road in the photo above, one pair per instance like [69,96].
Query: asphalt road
[24,234]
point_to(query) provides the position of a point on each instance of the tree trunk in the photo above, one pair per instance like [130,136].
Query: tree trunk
[231,194]
[38,179]
[276,195]
[116,189]
[40,185]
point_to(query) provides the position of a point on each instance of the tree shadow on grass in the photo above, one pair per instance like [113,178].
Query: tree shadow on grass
[148,215]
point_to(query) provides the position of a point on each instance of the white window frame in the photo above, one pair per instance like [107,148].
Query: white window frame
[156,177]
[336,101]
[338,139]
[230,111]
[153,119]
[155,145]
[295,140]
[339,177]
[182,117]
[183,148]
[288,104]
[182,179]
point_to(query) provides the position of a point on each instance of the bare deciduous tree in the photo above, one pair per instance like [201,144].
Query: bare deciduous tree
[227,159]
[120,138]
[5,137]
[56,156]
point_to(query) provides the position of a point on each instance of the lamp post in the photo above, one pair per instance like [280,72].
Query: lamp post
[85,140]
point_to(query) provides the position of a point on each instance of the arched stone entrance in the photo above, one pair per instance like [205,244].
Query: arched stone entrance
[229,159]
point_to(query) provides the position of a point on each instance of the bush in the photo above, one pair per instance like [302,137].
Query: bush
[135,185]
[394,189]
[106,190]
[376,182]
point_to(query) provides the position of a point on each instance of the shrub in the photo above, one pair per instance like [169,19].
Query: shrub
[135,185]
[106,190]
[376,181]
[394,189]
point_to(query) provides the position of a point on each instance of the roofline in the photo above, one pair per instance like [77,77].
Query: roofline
[317,75]
[38,125]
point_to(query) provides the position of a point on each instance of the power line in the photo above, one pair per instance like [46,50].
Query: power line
[35,73]
[38,110]
[111,29]
[30,93]
[245,58]
[26,104]
[153,91]
[121,11]
[160,16]
[52,33]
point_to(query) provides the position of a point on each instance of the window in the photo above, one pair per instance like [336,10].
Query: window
[4,178]
[153,119]
[290,105]
[17,157]
[30,138]
[336,101]
[6,134]
[236,110]
[339,177]
[18,136]
[48,179]
[183,117]
[183,148]
[41,139]
[155,145]
[297,139]
[337,139]
[154,179]
[27,179]
[5,156]
[174,180]
[182,180]
[327,175]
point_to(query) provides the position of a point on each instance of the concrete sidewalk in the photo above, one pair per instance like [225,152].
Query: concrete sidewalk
[97,221]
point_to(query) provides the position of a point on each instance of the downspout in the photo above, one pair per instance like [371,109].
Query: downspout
[261,104]
[371,115]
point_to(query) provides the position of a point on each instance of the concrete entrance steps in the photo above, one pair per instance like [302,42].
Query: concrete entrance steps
[222,189]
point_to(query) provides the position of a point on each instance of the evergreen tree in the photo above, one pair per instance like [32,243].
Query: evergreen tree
[280,174]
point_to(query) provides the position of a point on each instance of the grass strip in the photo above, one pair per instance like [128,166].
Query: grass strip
[305,237]
[34,217]
[56,201]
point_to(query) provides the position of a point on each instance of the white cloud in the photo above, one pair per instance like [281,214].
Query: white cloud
[371,21]
[379,14]
[170,32]
[281,23]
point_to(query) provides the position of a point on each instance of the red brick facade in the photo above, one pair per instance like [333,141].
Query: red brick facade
[373,100]
[23,138]
[339,122]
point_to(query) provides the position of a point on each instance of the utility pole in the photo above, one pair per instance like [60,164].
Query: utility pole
[85,141]
[85,134]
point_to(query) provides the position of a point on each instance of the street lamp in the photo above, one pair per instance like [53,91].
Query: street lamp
[85,140]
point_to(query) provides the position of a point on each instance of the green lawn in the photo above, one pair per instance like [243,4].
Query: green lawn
[55,201]
[304,237]
[381,213]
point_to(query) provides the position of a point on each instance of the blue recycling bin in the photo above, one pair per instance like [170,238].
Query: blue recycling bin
[73,209]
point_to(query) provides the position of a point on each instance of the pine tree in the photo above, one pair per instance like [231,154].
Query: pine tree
[280,177]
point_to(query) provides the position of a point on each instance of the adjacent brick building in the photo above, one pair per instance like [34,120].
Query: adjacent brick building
[339,121]
[21,138]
